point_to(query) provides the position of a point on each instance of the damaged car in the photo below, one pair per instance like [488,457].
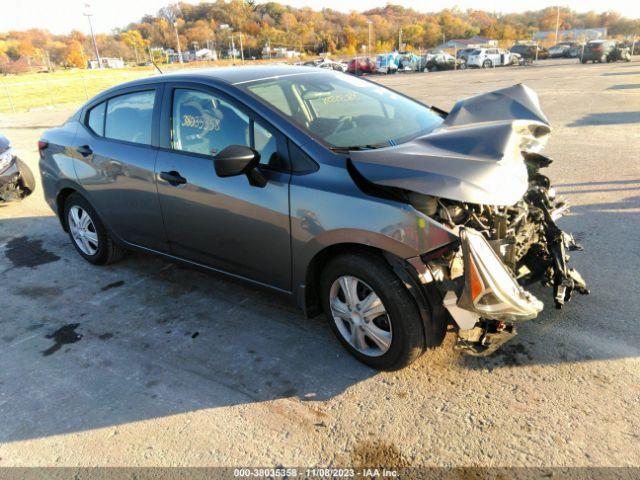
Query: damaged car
[398,220]
[16,178]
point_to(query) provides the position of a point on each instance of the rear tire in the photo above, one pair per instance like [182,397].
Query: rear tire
[88,234]
[400,325]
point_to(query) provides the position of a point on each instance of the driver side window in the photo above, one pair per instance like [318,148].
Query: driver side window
[206,124]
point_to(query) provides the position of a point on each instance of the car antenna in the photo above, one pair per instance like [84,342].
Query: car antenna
[157,67]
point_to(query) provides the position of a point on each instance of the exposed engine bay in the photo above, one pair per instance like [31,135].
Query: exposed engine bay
[527,240]
[524,235]
[479,176]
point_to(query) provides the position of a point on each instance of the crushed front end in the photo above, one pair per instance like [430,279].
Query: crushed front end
[479,177]
[502,250]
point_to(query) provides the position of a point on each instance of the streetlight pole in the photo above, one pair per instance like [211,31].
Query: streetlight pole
[369,22]
[88,14]
[175,26]
[557,22]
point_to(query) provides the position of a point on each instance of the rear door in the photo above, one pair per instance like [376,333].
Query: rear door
[117,148]
[494,56]
[224,223]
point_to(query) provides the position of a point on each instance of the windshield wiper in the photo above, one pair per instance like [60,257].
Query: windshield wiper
[357,147]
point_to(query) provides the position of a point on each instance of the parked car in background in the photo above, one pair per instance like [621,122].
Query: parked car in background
[530,51]
[361,66]
[562,49]
[408,62]
[397,219]
[326,63]
[576,50]
[491,57]
[387,63]
[16,178]
[634,47]
[601,51]
[464,53]
[435,60]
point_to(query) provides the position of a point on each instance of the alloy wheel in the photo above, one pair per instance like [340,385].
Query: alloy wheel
[360,316]
[83,230]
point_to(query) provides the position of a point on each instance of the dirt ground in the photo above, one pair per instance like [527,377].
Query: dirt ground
[162,365]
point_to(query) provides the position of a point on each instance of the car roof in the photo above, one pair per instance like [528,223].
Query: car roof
[231,75]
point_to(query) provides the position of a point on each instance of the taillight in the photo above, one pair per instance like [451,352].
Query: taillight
[42,146]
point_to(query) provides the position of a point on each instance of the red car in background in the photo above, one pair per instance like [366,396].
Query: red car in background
[360,66]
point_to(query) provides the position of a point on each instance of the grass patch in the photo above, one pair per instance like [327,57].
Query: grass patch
[39,90]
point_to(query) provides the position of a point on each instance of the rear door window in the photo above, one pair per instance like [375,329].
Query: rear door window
[130,116]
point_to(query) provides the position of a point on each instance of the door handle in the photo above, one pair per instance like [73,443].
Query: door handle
[173,178]
[84,150]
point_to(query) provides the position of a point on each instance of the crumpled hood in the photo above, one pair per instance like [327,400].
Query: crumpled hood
[475,156]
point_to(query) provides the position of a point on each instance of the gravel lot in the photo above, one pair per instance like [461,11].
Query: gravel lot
[179,367]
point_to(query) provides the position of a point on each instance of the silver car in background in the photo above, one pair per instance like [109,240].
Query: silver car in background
[492,57]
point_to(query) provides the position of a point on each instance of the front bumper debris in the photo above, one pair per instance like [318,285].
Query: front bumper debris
[490,289]
[485,338]
[16,181]
[490,299]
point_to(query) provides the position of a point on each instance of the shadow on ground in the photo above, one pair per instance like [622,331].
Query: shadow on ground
[145,338]
[624,86]
[608,118]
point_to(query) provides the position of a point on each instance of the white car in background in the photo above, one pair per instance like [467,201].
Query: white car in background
[326,63]
[492,57]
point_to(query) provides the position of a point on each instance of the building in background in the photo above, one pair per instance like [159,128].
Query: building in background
[107,62]
[205,54]
[278,52]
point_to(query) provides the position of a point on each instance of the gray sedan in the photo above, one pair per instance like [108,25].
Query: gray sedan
[394,218]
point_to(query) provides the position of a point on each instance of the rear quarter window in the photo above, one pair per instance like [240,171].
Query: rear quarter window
[95,119]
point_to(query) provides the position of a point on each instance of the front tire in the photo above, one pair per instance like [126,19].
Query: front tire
[88,234]
[487,64]
[371,312]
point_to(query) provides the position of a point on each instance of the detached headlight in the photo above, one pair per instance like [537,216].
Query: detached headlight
[490,288]
[6,158]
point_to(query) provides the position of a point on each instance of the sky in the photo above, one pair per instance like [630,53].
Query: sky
[62,16]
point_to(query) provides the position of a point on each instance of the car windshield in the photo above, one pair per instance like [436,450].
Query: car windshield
[346,112]
[476,52]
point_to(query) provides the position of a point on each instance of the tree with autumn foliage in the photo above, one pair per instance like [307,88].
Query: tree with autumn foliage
[304,29]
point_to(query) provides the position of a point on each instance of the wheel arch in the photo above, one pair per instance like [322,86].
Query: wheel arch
[61,200]
[308,295]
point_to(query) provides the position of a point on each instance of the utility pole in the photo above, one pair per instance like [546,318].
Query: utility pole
[369,22]
[399,39]
[175,26]
[557,22]
[88,14]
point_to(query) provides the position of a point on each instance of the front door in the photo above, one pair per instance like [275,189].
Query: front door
[224,223]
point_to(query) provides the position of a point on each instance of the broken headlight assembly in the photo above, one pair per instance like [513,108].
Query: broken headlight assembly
[490,289]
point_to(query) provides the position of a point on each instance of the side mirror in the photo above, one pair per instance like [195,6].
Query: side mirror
[237,160]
